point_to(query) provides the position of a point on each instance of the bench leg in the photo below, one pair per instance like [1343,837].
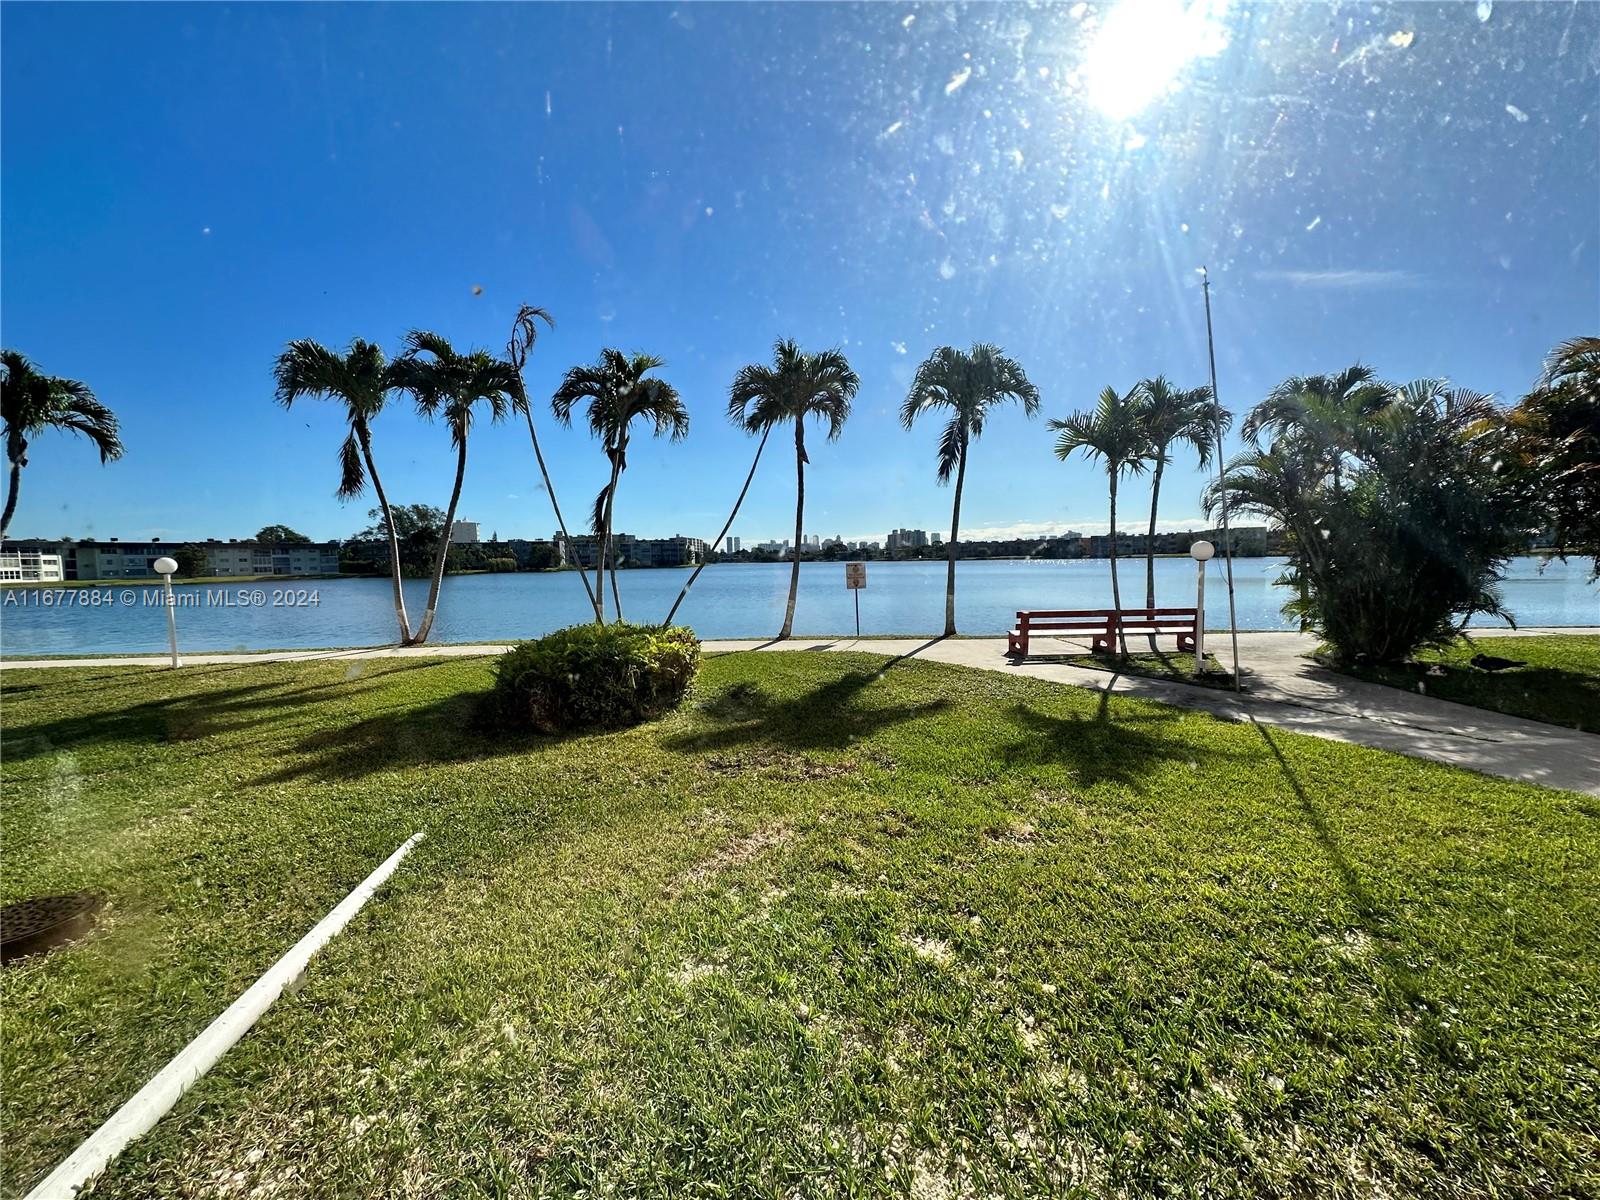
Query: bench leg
[1101,644]
[1186,643]
[1017,644]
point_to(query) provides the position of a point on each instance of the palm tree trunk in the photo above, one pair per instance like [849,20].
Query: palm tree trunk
[615,594]
[550,490]
[11,497]
[599,593]
[605,547]
[1116,590]
[955,526]
[364,440]
[444,545]
[1150,543]
[799,518]
[727,525]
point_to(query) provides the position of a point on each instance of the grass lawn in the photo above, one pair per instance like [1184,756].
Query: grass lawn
[1560,684]
[843,926]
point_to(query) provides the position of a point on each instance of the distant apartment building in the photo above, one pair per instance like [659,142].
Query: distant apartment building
[464,533]
[905,539]
[31,566]
[1248,541]
[938,539]
[730,545]
[112,558]
[630,551]
[774,547]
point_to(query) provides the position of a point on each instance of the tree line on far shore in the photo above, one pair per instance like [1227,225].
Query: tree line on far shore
[1399,504]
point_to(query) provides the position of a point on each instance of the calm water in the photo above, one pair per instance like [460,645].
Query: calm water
[734,600]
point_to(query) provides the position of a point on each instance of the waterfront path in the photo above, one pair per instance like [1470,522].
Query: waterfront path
[1285,690]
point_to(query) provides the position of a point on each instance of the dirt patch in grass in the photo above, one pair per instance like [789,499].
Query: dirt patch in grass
[736,853]
[785,764]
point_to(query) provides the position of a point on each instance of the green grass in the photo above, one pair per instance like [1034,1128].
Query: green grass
[843,926]
[1560,684]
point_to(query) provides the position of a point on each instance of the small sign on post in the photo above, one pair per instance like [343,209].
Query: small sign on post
[855,578]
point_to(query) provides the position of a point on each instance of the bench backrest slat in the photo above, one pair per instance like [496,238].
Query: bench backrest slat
[1091,620]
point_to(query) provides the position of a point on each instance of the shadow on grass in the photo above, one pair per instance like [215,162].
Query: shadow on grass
[455,728]
[1432,1033]
[184,717]
[1569,699]
[1102,747]
[829,717]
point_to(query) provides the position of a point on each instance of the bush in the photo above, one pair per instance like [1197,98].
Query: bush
[595,677]
[1400,507]
[499,564]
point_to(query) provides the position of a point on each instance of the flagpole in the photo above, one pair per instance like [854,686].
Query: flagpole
[1222,491]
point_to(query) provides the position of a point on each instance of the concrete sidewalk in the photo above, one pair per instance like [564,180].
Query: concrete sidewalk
[1286,690]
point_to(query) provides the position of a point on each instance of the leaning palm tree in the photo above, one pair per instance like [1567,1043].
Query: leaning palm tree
[619,389]
[31,403]
[524,333]
[737,415]
[1113,431]
[969,384]
[1173,415]
[361,380]
[451,384]
[797,385]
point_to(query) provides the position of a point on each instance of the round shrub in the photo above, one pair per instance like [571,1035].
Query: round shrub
[595,677]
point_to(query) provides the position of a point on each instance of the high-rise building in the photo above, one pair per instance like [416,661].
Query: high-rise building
[730,545]
[906,539]
[464,532]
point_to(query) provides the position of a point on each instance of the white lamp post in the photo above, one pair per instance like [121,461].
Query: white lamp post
[165,567]
[1200,552]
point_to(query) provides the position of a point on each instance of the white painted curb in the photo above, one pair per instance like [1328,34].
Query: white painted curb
[156,1098]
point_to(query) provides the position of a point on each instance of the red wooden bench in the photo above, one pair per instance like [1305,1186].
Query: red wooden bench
[1102,625]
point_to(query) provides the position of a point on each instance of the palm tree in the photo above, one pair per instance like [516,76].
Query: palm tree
[31,403]
[362,380]
[797,385]
[1557,439]
[619,389]
[1322,410]
[969,384]
[524,333]
[451,384]
[1172,415]
[1113,430]
[1399,515]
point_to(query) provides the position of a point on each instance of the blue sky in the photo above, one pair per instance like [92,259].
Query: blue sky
[188,187]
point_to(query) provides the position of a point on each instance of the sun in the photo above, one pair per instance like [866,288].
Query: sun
[1142,47]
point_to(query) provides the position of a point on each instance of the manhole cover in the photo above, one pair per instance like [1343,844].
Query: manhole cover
[32,926]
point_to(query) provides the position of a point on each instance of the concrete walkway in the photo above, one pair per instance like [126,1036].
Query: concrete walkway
[1286,690]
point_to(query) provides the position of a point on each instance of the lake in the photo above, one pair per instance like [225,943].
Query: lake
[728,600]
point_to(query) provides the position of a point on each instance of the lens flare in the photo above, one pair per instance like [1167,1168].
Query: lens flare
[1141,49]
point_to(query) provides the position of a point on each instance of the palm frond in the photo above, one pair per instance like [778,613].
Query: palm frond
[352,471]
[950,448]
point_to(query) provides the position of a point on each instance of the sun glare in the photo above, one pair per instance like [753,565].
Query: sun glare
[1142,47]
